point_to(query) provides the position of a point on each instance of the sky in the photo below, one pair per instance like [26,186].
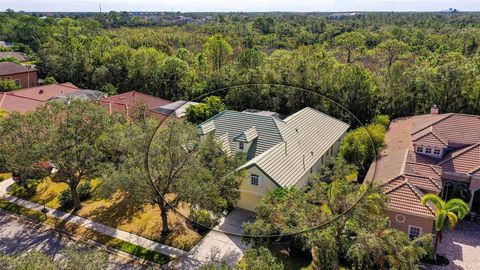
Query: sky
[240,5]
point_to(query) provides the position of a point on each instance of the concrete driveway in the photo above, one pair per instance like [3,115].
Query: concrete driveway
[20,236]
[461,247]
[222,244]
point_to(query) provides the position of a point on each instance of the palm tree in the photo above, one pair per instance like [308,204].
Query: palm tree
[453,211]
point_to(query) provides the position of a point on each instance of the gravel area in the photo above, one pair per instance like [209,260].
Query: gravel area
[461,247]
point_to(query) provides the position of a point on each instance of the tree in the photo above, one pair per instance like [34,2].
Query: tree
[451,211]
[392,48]
[49,80]
[177,78]
[109,89]
[8,85]
[195,173]
[210,107]
[217,51]
[350,41]
[259,259]
[251,58]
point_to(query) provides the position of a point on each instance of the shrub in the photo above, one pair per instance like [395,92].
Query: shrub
[202,220]
[184,241]
[84,191]
[21,191]
[65,199]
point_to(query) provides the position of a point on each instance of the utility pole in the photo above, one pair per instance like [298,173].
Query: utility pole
[100,8]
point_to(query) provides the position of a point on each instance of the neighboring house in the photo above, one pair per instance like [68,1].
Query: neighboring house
[28,99]
[177,108]
[24,76]
[6,44]
[126,102]
[20,57]
[280,153]
[433,153]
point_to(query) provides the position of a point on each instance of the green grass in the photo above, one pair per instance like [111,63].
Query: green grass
[89,234]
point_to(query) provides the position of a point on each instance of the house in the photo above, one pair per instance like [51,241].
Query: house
[280,153]
[432,153]
[28,99]
[20,57]
[24,76]
[177,108]
[126,102]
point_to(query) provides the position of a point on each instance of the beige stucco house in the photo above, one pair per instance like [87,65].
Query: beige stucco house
[281,153]
[431,153]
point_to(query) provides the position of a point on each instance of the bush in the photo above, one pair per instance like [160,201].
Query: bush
[84,191]
[21,191]
[184,241]
[203,220]
[65,199]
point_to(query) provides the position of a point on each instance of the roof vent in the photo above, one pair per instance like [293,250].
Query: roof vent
[434,109]
[296,129]
[40,91]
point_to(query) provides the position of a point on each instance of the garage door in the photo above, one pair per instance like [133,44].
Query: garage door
[248,201]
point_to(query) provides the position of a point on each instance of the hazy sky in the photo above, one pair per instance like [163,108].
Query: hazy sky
[240,5]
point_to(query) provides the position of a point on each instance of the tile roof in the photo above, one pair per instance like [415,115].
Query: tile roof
[406,198]
[17,104]
[426,170]
[21,57]
[462,161]
[46,92]
[9,68]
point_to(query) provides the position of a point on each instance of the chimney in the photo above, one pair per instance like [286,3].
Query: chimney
[434,109]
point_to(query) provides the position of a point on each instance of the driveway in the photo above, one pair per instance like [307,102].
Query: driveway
[221,244]
[19,236]
[461,247]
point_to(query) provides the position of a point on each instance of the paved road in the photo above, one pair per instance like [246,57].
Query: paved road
[461,247]
[19,236]
[222,244]
[90,224]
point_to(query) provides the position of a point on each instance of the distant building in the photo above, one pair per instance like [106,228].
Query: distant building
[5,44]
[176,108]
[20,57]
[24,76]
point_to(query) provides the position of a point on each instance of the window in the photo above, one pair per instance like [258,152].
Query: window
[414,232]
[420,149]
[428,150]
[254,179]
[17,82]
[241,146]
[436,151]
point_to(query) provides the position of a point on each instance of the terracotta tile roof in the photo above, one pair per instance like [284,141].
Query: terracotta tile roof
[46,92]
[12,103]
[475,172]
[124,102]
[8,68]
[424,183]
[462,161]
[426,170]
[428,137]
[404,197]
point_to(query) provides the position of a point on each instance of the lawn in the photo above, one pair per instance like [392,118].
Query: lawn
[4,176]
[119,213]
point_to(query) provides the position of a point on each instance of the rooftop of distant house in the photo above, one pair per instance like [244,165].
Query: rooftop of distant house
[20,57]
[9,68]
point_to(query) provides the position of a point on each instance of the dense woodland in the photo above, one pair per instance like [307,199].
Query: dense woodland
[375,63]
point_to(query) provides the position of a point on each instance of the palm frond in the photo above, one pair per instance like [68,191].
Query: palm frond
[452,220]
[434,199]
[458,206]
[440,219]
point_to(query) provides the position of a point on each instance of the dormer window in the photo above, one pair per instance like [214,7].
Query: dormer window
[420,149]
[428,150]
[436,152]
[241,146]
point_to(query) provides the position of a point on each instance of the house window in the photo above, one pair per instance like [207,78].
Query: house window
[420,149]
[17,82]
[436,151]
[241,146]
[428,150]
[254,180]
[414,232]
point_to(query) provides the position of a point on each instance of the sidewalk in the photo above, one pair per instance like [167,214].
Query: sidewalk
[92,225]
[221,244]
